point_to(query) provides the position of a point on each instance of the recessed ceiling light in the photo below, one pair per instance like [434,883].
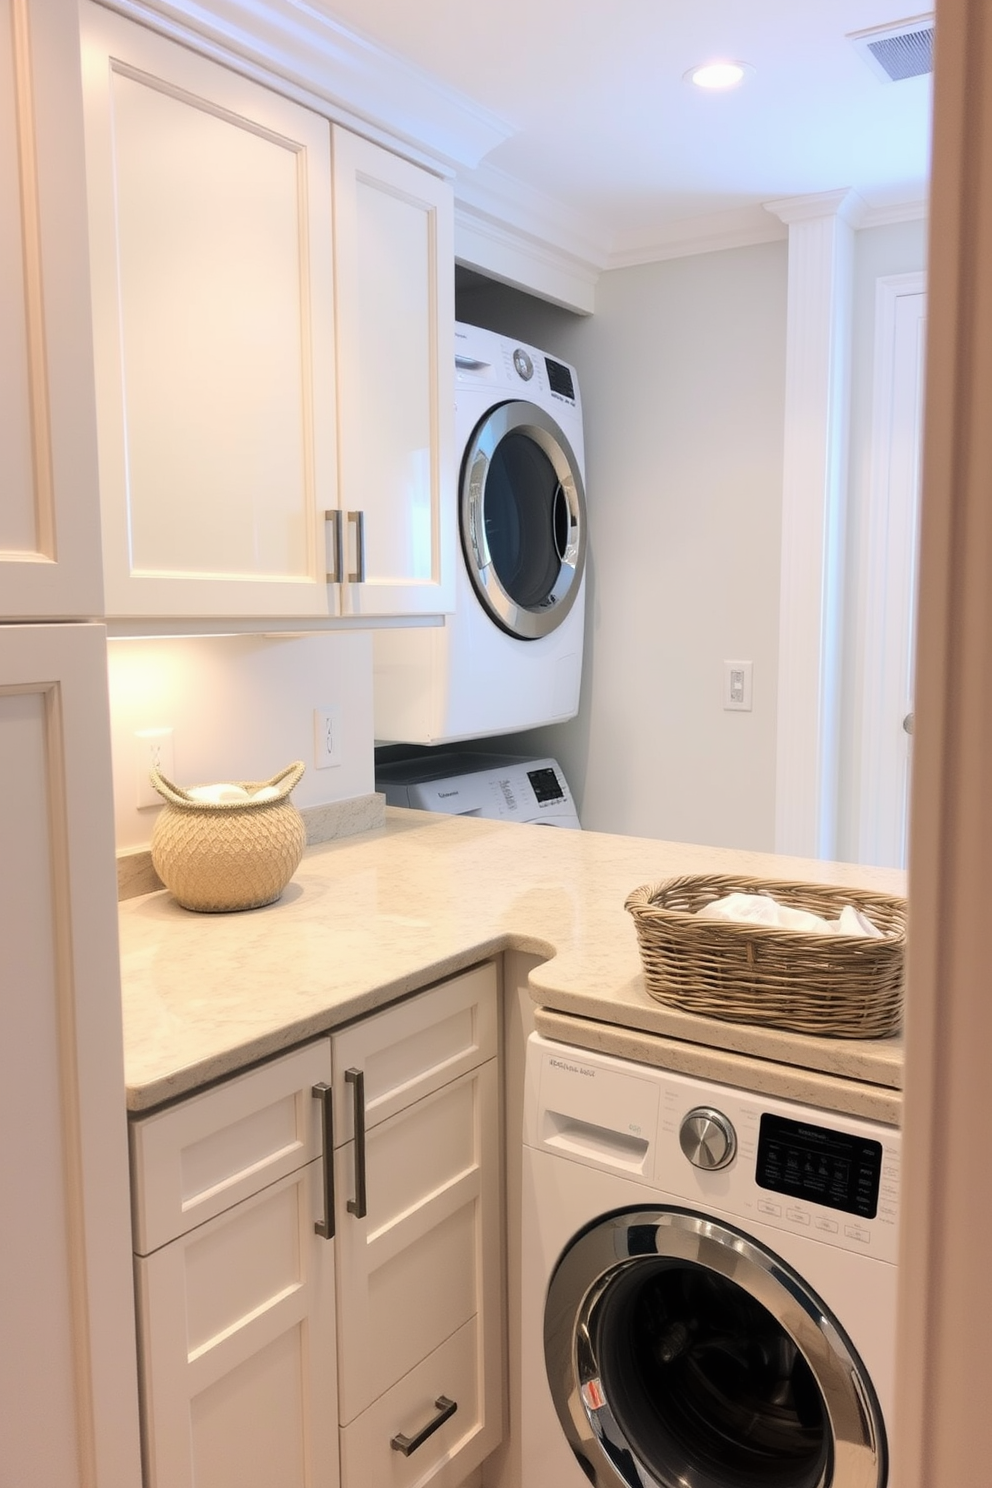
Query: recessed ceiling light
[719,75]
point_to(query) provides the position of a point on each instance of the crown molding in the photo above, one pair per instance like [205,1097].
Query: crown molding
[845,204]
[742,227]
[493,195]
[907,211]
[365,85]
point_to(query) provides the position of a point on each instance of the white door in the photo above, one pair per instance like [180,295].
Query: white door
[68,1364]
[889,640]
[394,250]
[49,504]
[210,229]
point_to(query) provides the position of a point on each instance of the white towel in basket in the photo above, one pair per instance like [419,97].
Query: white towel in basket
[762,909]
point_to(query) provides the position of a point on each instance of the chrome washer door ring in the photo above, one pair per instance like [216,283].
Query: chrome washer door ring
[523,519]
[682,1354]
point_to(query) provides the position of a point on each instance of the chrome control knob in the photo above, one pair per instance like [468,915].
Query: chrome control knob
[707,1138]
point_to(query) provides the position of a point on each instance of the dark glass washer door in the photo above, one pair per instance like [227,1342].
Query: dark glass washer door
[523,519]
[682,1354]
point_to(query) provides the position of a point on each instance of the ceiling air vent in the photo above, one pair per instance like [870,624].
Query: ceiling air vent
[902,50]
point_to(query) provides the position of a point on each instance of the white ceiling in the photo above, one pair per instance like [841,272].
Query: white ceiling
[600,125]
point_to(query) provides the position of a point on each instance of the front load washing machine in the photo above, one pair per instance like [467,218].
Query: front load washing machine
[708,1284]
[510,656]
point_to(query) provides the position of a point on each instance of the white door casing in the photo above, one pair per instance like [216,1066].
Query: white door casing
[888,641]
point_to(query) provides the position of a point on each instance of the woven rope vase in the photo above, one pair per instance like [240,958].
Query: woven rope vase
[218,856]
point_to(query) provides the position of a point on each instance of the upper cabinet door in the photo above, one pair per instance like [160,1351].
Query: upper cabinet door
[211,249]
[394,275]
[49,502]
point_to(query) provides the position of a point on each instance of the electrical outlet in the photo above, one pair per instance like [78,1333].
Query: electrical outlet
[326,737]
[153,751]
[737,676]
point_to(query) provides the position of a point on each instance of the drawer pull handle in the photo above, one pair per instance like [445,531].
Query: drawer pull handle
[408,1444]
[358,1206]
[322,1093]
[356,575]
[334,574]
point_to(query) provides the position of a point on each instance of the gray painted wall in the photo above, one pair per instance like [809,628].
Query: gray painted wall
[682,373]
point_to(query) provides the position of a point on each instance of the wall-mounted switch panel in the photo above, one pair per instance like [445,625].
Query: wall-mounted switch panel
[153,751]
[737,686]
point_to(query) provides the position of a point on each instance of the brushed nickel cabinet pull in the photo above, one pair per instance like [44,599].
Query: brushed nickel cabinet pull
[337,534]
[358,1205]
[322,1093]
[358,518]
[408,1444]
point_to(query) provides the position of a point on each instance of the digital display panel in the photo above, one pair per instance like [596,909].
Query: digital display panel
[836,1169]
[547,786]
[560,379]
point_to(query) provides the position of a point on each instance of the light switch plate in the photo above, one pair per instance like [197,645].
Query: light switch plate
[737,686]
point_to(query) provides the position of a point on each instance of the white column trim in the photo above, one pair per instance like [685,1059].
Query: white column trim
[821,253]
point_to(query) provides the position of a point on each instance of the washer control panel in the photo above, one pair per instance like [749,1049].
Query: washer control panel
[756,1159]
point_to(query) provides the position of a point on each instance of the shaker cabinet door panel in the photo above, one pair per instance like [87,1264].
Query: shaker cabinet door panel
[211,246]
[425,1257]
[49,505]
[69,1412]
[237,1320]
[394,251]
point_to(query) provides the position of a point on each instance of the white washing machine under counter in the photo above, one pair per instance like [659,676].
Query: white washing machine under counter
[510,656]
[708,1284]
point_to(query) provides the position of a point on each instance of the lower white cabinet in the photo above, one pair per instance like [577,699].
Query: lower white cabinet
[319,1281]
[236,1308]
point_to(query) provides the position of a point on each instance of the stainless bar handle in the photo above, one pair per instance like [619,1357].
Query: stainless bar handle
[407,1444]
[334,517]
[358,518]
[358,1205]
[322,1092]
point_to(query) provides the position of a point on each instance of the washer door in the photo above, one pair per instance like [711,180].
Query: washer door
[523,519]
[682,1354]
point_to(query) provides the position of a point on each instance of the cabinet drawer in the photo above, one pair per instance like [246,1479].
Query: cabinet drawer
[446,1458]
[409,1050]
[196,1159]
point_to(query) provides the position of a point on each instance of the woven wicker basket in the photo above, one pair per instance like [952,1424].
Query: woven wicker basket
[218,856]
[837,986]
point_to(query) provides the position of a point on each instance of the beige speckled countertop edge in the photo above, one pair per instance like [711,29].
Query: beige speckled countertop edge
[788,1081]
[372,918]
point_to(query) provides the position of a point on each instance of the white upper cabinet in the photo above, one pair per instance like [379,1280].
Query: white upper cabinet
[211,244]
[236,480]
[394,258]
[49,517]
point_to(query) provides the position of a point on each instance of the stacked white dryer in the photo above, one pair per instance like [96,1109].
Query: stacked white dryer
[510,657]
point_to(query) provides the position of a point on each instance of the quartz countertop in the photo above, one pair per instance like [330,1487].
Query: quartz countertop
[369,918]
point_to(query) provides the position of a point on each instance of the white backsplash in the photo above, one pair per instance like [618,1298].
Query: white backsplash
[241,708]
